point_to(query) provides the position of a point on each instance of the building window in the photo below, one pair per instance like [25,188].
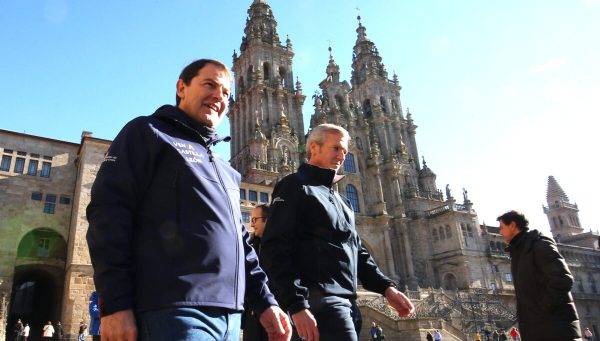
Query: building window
[252,196]
[349,164]
[442,235]
[435,234]
[448,231]
[64,200]
[264,197]
[246,217]
[5,165]
[37,196]
[50,204]
[43,249]
[242,194]
[508,277]
[33,166]
[19,165]
[353,197]
[494,268]
[46,167]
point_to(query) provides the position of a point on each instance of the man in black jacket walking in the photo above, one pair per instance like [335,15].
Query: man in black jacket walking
[311,249]
[542,280]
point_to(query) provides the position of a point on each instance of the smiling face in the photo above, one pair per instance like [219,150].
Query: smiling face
[331,154]
[206,96]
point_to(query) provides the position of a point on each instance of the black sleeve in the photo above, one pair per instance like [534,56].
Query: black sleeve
[559,280]
[278,245]
[258,297]
[119,186]
[369,274]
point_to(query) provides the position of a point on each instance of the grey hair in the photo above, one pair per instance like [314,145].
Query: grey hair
[318,133]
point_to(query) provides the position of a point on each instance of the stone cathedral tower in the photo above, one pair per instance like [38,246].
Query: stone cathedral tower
[563,216]
[266,116]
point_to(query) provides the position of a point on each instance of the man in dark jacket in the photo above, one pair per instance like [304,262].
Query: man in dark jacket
[169,250]
[253,330]
[542,280]
[311,250]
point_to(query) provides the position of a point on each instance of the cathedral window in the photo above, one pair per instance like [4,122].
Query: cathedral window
[252,195]
[349,163]
[442,235]
[282,76]
[434,234]
[448,231]
[32,168]
[46,167]
[508,277]
[560,220]
[495,268]
[64,200]
[37,196]
[367,108]
[6,161]
[19,165]
[383,105]
[50,204]
[352,195]
[242,194]
[264,197]
[266,71]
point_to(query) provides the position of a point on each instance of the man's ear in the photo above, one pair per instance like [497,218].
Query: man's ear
[180,86]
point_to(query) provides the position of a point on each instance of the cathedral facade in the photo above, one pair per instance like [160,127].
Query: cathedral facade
[429,241]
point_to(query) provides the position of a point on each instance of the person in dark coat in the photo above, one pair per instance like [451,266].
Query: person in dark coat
[542,281]
[59,332]
[18,330]
[311,250]
[253,330]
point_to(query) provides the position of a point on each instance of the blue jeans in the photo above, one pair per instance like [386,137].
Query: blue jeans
[189,324]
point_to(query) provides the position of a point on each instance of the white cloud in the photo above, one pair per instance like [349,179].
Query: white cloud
[551,64]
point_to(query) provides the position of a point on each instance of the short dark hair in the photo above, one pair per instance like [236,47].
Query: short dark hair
[518,217]
[191,71]
[264,209]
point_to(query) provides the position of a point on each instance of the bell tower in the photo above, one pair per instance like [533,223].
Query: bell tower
[266,115]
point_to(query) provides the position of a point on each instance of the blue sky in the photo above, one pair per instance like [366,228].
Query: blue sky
[504,93]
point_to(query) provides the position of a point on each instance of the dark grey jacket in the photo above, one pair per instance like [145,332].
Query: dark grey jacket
[543,282]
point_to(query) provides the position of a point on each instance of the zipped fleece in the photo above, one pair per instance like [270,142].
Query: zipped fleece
[165,227]
[310,241]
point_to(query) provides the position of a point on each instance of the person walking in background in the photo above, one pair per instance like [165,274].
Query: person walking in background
[477,336]
[437,336]
[542,281]
[253,330]
[26,331]
[514,333]
[503,336]
[18,330]
[376,332]
[48,331]
[94,317]
[429,337]
[82,331]
[59,332]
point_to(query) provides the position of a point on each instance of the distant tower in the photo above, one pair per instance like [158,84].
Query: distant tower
[266,116]
[562,215]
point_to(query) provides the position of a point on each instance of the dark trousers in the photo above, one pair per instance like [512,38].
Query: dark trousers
[333,315]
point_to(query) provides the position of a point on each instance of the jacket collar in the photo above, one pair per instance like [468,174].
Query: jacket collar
[209,135]
[323,176]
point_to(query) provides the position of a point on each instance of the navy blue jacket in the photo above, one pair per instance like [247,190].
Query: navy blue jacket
[165,227]
[310,241]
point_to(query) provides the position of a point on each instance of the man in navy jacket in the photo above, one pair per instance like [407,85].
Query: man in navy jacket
[169,250]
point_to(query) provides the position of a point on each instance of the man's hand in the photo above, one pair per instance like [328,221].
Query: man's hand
[399,301]
[119,326]
[306,325]
[276,323]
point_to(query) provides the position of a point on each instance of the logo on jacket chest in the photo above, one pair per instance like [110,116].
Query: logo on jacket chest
[188,152]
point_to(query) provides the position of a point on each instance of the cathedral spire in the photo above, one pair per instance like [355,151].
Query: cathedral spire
[555,193]
[366,62]
[260,25]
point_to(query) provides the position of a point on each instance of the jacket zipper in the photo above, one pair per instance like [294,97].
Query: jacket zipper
[237,250]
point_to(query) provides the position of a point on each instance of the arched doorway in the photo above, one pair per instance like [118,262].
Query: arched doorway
[38,280]
[450,282]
